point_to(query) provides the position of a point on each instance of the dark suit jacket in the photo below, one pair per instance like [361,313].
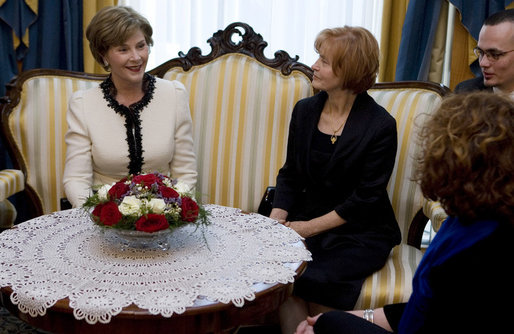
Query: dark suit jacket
[355,180]
[472,85]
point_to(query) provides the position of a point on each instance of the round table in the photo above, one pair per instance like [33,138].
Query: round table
[60,273]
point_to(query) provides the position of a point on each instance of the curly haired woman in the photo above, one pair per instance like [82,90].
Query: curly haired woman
[463,284]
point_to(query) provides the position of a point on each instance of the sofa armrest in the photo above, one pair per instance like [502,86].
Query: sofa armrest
[12,181]
[434,212]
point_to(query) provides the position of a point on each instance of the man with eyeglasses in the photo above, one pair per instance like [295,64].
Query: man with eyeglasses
[495,52]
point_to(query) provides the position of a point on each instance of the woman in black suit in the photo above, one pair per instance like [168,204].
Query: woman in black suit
[332,187]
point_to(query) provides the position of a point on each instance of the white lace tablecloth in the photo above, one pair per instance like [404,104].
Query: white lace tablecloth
[64,255]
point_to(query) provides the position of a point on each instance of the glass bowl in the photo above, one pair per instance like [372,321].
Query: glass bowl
[138,239]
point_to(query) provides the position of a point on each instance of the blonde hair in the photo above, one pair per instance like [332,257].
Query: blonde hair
[354,54]
[112,26]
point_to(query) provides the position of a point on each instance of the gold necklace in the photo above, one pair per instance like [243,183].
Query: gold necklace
[333,138]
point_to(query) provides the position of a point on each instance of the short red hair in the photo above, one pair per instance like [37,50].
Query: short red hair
[354,54]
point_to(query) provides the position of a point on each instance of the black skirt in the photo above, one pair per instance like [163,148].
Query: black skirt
[340,264]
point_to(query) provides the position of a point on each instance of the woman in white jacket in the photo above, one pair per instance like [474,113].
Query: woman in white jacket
[132,122]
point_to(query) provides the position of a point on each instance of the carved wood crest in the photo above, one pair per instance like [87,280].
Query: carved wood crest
[238,37]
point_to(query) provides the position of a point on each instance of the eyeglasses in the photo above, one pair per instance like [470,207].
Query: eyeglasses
[491,55]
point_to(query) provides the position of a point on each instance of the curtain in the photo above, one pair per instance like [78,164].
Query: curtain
[392,22]
[437,54]
[8,69]
[53,37]
[462,54]
[423,32]
[290,25]
[474,13]
[418,35]
[89,10]
[15,19]
[36,34]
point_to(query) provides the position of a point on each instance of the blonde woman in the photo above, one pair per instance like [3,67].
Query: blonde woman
[132,122]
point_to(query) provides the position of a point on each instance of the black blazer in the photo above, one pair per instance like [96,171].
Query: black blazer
[355,180]
[472,85]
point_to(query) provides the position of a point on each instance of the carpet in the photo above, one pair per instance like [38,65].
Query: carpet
[10,324]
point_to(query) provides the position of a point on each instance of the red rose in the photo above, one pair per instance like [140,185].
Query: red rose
[118,189]
[97,210]
[109,213]
[152,223]
[190,210]
[168,192]
[147,179]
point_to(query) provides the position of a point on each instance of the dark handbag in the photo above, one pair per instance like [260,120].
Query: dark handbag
[267,202]
[65,204]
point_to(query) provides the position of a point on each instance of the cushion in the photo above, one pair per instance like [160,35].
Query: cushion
[241,110]
[38,125]
[410,107]
[392,283]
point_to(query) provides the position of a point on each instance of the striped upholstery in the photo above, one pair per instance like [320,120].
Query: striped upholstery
[38,125]
[410,107]
[12,181]
[392,283]
[241,111]
[435,212]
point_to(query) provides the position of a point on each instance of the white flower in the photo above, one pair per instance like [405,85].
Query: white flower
[130,205]
[174,210]
[156,205]
[182,188]
[102,192]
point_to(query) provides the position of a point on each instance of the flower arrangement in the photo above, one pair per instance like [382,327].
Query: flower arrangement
[145,202]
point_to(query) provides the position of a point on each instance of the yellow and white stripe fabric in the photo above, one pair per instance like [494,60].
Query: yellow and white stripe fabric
[241,110]
[392,283]
[410,107]
[435,212]
[12,181]
[38,125]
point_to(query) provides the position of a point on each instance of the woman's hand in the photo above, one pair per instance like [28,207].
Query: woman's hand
[279,215]
[307,326]
[302,227]
[317,225]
